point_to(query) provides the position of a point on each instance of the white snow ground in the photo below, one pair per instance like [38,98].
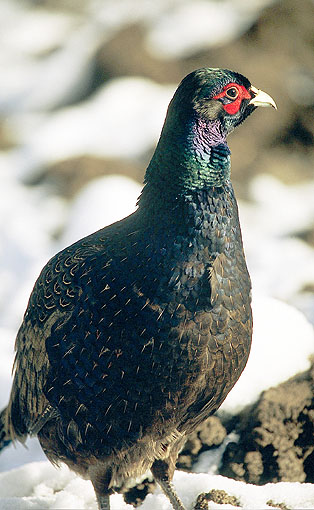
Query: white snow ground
[39,486]
[33,84]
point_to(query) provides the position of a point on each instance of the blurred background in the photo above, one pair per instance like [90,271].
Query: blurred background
[84,87]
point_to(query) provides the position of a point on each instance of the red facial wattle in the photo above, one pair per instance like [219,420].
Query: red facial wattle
[235,104]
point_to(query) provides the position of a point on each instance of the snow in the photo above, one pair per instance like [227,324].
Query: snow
[209,461]
[189,27]
[194,26]
[103,126]
[18,23]
[283,340]
[280,263]
[31,84]
[288,208]
[41,486]
[102,202]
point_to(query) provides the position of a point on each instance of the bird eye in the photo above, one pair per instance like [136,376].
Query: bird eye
[232,93]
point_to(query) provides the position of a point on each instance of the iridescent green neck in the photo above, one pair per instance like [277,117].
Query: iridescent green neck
[190,156]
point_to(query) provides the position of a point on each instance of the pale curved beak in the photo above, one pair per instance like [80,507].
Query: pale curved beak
[261,98]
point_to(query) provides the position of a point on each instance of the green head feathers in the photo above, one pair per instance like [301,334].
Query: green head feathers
[192,152]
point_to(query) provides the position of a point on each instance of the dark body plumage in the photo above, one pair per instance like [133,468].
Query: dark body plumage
[136,333]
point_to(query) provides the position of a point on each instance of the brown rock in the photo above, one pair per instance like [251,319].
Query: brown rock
[70,175]
[209,434]
[126,55]
[276,436]
[217,496]
[136,495]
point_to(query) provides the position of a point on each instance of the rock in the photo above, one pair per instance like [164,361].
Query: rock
[136,495]
[209,434]
[217,496]
[282,506]
[125,54]
[69,176]
[276,436]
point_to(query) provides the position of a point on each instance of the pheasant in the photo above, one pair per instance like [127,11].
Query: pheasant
[135,334]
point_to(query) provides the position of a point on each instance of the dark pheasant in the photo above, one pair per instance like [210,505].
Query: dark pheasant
[136,334]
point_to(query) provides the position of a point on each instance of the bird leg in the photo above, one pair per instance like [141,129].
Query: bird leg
[171,494]
[101,482]
[103,501]
[160,470]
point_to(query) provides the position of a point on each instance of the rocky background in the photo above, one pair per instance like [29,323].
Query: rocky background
[81,78]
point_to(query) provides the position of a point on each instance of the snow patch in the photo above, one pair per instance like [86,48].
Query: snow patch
[101,202]
[283,340]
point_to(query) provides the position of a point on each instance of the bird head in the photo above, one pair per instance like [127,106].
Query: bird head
[218,95]
[192,152]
